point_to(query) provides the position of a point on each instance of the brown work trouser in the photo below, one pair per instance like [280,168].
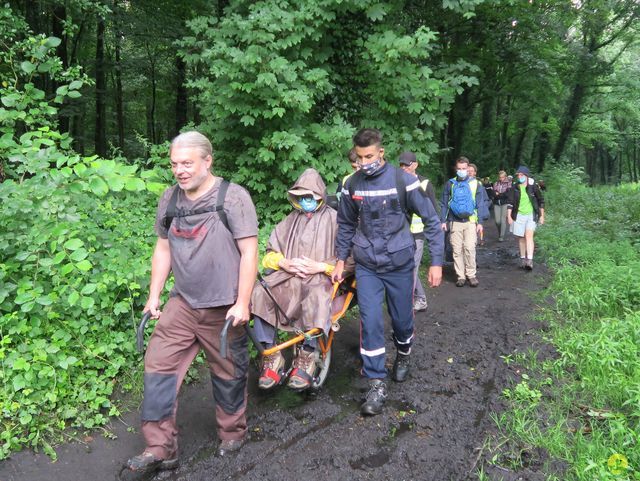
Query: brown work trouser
[180,333]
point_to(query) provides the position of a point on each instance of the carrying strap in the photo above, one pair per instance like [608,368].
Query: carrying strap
[173,211]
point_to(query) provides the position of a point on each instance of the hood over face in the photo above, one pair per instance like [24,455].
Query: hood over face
[309,182]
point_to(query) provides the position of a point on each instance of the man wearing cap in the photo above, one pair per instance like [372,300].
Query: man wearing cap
[525,208]
[409,163]
[373,223]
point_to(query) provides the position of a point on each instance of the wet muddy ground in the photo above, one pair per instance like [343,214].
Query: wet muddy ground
[433,426]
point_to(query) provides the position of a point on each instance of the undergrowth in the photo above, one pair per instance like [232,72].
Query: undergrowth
[582,408]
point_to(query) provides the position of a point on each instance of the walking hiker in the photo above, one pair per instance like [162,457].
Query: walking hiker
[463,207]
[409,163]
[373,222]
[301,250]
[525,209]
[208,238]
[500,197]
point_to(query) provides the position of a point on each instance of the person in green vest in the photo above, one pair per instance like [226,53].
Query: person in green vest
[525,209]
[409,163]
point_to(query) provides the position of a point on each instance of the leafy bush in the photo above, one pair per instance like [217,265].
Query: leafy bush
[74,267]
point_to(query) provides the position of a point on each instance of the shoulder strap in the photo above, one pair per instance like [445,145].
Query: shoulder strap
[401,187]
[222,193]
[172,210]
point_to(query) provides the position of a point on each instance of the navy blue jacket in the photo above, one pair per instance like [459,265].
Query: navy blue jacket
[482,203]
[373,224]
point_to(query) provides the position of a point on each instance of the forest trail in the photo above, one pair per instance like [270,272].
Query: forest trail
[433,426]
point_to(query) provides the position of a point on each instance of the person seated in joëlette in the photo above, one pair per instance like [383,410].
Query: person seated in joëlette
[301,250]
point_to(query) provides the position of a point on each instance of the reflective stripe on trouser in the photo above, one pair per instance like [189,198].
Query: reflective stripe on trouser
[176,340]
[373,288]
[463,241]
[418,290]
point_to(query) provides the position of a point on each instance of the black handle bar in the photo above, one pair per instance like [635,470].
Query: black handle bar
[225,332]
[140,331]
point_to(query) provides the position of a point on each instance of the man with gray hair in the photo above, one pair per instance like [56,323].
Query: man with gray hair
[207,237]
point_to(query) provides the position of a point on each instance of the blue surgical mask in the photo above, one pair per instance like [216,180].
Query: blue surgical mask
[462,174]
[522,180]
[308,204]
[372,168]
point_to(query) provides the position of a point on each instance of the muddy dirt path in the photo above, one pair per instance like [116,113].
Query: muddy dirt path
[431,429]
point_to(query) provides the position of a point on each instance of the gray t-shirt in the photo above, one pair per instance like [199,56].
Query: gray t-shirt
[204,256]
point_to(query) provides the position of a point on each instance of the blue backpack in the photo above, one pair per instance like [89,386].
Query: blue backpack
[462,202]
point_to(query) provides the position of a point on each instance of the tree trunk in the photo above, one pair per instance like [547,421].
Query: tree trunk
[57,29]
[519,147]
[118,72]
[182,98]
[100,140]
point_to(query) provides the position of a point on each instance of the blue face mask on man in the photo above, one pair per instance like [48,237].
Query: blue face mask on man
[308,204]
[462,174]
[522,179]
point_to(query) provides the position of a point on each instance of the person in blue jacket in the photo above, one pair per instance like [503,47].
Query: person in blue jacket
[373,225]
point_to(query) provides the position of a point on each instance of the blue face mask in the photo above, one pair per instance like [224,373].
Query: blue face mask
[461,174]
[522,180]
[308,204]
[372,168]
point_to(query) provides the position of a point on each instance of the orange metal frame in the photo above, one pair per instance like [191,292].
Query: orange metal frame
[324,345]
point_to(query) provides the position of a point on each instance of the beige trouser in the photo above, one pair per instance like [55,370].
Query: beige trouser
[463,242]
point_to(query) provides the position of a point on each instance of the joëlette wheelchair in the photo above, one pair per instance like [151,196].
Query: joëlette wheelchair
[343,297]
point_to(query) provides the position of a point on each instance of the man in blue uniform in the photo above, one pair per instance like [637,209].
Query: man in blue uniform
[373,221]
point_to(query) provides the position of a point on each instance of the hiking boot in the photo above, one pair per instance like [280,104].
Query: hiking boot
[375,398]
[473,282]
[420,305]
[401,367]
[523,263]
[230,446]
[528,264]
[146,463]
[461,282]
[272,371]
[304,366]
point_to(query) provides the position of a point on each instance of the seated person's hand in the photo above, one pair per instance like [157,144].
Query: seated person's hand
[310,267]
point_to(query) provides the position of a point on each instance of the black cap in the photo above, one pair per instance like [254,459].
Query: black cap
[523,170]
[407,158]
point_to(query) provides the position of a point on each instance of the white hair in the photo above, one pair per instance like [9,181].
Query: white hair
[194,140]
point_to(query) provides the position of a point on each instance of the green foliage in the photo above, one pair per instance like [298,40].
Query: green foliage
[284,86]
[73,267]
[590,416]
[73,261]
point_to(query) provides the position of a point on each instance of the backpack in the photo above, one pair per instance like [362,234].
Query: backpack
[462,202]
[401,187]
[173,211]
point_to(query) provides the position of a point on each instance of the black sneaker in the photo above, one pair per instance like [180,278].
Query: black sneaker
[528,264]
[401,367]
[375,398]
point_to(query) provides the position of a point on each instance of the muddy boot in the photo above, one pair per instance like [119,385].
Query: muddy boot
[375,398]
[401,367]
